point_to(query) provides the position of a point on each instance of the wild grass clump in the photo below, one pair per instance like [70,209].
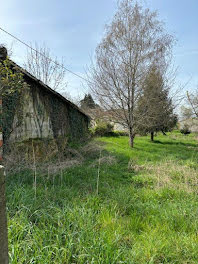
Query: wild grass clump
[174,175]
[144,211]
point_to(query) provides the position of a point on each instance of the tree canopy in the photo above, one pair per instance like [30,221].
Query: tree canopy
[87,102]
[133,42]
[155,107]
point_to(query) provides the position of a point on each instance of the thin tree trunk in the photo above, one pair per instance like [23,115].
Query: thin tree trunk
[152,136]
[131,138]
[3,221]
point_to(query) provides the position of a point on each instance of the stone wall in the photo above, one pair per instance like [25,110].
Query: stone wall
[47,115]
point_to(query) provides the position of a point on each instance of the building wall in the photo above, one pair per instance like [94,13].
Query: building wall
[46,115]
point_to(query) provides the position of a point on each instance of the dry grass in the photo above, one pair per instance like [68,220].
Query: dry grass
[92,149]
[108,160]
[54,161]
[55,168]
[134,167]
[173,175]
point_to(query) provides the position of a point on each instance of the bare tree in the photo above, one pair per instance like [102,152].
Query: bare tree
[193,103]
[40,63]
[189,111]
[134,41]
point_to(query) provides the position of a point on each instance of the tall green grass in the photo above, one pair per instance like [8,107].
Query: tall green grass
[146,209]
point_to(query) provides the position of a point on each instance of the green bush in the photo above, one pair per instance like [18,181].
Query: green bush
[185,130]
[103,129]
[121,133]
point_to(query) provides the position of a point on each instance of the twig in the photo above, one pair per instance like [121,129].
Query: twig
[35,173]
[99,161]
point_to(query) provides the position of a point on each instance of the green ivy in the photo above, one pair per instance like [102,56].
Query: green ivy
[12,85]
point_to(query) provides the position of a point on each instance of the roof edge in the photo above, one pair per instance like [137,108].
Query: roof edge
[47,87]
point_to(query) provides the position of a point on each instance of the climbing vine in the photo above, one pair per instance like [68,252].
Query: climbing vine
[64,122]
[12,86]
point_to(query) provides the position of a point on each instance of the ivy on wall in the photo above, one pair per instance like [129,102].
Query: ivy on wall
[12,85]
[65,120]
[48,111]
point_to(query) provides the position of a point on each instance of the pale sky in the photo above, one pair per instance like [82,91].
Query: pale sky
[73,28]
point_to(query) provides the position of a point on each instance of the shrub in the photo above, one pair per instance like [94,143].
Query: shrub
[121,133]
[103,129]
[185,130]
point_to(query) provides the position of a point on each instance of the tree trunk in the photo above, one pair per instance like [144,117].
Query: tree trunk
[3,221]
[152,136]
[163,133]
[131,138]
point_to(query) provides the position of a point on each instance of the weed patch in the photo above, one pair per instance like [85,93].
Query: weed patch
[145,209]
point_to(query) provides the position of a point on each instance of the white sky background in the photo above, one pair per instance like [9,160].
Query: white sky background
[72,29]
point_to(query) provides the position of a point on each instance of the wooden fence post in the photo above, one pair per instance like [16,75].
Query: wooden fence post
[3,220]
[3,216]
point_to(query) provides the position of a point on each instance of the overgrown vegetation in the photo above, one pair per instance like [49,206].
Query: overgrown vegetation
[185,130]
[103,129]
[12,86]
[145,210]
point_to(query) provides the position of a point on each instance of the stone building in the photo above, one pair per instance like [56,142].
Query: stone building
[46,114]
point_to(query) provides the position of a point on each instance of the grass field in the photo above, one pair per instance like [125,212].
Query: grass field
[145,210]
